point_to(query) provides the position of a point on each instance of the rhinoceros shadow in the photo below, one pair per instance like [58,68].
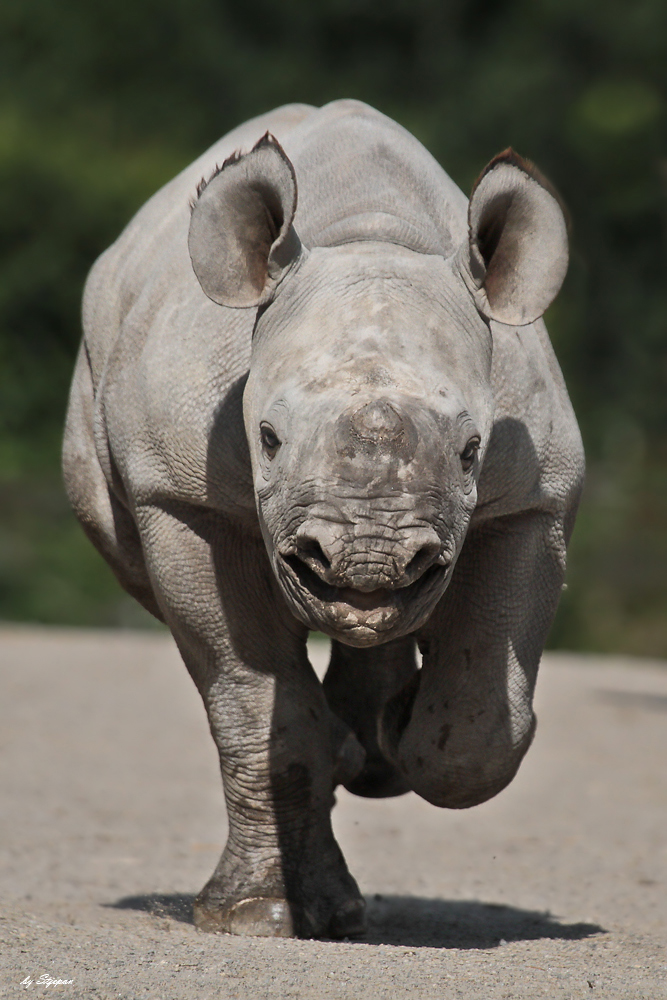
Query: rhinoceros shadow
[416,922]
[468,923]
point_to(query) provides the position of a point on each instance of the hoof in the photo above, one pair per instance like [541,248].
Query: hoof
[378,780]
[349,920]
[266,917]
[258,917]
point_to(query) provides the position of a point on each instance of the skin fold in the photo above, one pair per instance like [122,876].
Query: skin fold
[315,392]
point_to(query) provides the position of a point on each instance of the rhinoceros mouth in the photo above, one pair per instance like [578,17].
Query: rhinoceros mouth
[350,608]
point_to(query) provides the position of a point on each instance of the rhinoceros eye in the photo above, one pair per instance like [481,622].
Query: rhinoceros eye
[270,440]
[468,454]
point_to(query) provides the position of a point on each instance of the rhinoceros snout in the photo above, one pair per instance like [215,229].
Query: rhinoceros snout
[344,557]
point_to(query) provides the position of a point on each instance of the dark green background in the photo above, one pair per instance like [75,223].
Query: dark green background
[102,102]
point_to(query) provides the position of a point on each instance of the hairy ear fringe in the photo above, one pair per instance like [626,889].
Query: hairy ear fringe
[267,140]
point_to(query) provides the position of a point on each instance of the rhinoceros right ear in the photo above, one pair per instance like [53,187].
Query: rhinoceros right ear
[242,242]
[516,255]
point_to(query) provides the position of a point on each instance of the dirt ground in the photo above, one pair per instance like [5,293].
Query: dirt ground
[112,819]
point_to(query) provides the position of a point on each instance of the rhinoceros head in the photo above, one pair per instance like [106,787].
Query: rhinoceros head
[369,405]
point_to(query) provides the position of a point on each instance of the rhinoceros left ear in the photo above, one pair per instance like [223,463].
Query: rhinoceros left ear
[516,256]
[242,242]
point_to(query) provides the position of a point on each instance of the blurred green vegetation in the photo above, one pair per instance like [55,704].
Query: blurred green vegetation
[102,103]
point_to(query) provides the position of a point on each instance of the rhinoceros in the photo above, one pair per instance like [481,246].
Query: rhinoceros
[341,414]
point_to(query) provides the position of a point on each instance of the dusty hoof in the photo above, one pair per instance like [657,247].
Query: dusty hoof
[349,920]
[258,917]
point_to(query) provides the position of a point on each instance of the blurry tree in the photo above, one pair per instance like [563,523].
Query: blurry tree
[101,103]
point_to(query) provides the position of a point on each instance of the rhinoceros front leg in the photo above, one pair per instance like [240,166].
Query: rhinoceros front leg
[281,872]
[460,729]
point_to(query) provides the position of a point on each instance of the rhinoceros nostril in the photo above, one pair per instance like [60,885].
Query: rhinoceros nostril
[422,559]
[310,551]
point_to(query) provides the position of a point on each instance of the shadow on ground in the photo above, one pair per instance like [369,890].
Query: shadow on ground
[415,922]
[443,923]
[176,905]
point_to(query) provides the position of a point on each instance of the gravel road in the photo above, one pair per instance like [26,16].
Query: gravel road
[112,819]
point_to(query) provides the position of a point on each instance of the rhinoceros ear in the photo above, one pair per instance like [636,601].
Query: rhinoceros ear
[516,256]
[242,242]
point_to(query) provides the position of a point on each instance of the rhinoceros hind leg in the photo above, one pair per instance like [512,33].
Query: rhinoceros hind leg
[357,685]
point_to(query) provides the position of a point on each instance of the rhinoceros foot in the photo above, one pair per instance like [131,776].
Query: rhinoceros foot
[256,917]
[378,780]
[272,917]
[316,899]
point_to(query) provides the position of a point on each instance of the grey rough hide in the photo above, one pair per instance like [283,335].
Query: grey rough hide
[324,399]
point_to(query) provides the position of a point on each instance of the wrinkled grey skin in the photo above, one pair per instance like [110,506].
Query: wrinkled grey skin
[400,465]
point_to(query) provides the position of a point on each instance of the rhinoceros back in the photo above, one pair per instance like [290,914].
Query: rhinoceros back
[361,176]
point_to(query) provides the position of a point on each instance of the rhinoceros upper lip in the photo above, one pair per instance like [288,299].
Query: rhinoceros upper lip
[362,600]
